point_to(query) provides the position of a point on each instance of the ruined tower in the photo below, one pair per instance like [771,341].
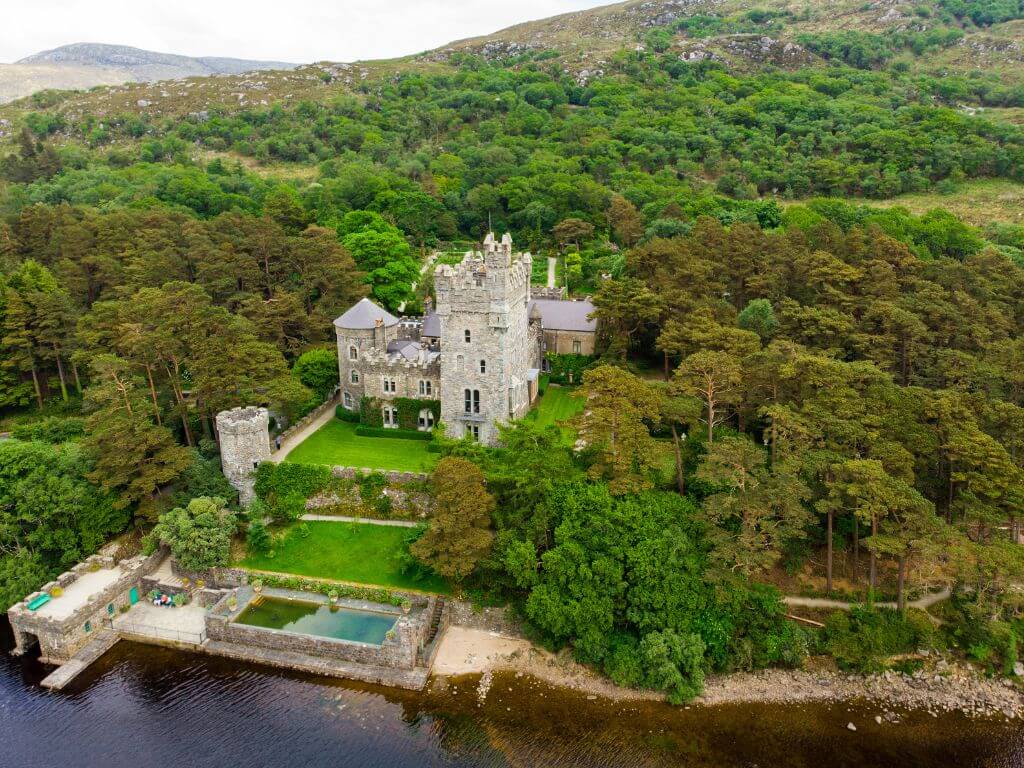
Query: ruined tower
[244,443]
[486,354]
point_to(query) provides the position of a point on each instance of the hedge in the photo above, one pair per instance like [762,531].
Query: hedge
[344,414]
[404,434]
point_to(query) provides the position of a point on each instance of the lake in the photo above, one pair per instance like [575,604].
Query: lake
[147,707]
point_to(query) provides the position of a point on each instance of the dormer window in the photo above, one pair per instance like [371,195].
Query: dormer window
[469,336]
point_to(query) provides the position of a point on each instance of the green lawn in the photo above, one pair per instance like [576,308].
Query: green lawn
[360,552]
[557,405]
[337,444]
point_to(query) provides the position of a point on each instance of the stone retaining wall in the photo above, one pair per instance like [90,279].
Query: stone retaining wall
[350,473]
[399,651]
[498,619]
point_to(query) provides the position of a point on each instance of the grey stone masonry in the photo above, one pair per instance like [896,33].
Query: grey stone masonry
[244,443]
[485,339]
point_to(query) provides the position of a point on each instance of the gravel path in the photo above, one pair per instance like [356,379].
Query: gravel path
[367,520]
[296,439]
[924,603]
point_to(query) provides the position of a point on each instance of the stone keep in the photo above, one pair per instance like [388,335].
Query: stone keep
[244,443]
[486,353]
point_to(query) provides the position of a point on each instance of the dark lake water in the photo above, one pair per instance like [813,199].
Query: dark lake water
[145,707]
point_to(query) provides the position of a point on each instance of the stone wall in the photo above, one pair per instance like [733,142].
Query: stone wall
[309,418]
[393,476]
[563,342]
[399,651]
[60,639]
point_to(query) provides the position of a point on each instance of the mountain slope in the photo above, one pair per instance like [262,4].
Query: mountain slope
[84,65]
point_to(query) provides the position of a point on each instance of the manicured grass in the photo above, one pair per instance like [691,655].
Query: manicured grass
[557,405]
[360,552]
[337,444]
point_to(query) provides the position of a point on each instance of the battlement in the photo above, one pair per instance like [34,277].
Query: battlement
[422,358]
[484,278]
[243,421]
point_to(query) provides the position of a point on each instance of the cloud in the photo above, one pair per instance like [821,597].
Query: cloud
[295,30]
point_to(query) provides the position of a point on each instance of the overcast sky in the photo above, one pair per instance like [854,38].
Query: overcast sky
[281,30]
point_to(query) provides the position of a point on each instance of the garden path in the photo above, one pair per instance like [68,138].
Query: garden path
[367,520]
[297,438]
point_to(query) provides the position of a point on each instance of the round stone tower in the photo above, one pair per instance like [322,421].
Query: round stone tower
[244,443]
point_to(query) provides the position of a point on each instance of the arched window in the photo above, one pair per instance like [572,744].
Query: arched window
[483,366]
[426,420]
[353,353]
[348,400]
[354,376]
[469,336]
[469,400]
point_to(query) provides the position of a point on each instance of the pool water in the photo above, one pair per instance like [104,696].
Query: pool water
[318,619]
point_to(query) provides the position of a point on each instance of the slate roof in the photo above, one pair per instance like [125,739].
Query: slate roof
[431,325]
[565,315]
[364,315]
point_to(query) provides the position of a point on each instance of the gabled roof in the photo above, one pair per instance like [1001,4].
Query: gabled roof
[558,315]
[364,315]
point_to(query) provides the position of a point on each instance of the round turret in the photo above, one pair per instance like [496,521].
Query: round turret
[244,443]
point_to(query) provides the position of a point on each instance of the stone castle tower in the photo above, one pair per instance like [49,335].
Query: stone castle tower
[244,444]
[485,339]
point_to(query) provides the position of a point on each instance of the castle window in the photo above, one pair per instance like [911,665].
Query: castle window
[353,353]
[348,400]
[472,400]
[426,420]
[479,281]
[577,347]
[426,387]
[483,366]
[469,336]
[389,386]
[354,376]
[389,416]
[473,430]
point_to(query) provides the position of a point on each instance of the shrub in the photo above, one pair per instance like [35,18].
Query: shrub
[344,414]
[257,539]
[317,369]
[403,434]
[52,429]
[199,535]
[863,638]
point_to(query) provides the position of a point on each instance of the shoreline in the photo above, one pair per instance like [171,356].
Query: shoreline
[943,688]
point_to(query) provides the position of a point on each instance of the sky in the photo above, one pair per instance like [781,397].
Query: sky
[280,30]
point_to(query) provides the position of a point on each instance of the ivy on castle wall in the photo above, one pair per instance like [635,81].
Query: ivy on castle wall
[408,411]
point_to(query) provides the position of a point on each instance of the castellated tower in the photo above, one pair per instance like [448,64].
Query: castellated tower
[485,345]
[244,443]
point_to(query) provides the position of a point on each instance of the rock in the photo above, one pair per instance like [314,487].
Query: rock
[878,719]
[1018,669]
[851,727]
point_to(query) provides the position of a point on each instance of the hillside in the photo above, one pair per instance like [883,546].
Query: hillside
[85,65]
[927,37]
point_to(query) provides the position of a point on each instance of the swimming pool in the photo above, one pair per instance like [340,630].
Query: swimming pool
[318,619]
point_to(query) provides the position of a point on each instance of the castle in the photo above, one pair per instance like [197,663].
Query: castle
[473,361]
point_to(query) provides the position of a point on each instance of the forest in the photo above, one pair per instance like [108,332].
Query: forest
[829,377]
